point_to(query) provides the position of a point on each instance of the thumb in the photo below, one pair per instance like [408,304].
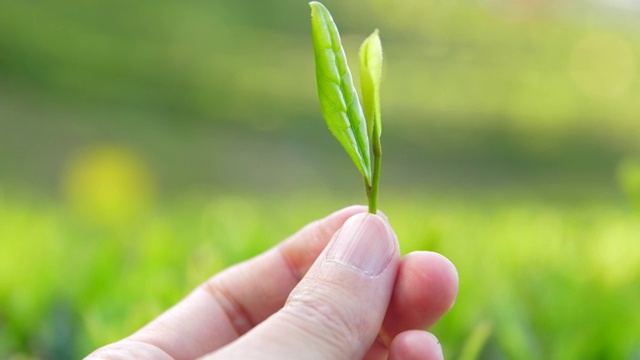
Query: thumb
[336,310]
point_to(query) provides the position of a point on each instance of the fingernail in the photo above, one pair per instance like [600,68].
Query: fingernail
[365,243]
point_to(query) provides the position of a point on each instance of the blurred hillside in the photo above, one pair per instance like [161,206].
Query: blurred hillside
[534,95]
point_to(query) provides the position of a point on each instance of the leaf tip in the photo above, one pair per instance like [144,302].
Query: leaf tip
[315,5]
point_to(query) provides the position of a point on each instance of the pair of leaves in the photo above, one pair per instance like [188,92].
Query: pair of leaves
[355,129]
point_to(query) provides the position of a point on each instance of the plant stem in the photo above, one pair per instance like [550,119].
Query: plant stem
[372,190]
[367,188]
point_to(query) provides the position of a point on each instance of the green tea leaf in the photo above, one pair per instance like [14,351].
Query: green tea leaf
[370,77]
[338,97]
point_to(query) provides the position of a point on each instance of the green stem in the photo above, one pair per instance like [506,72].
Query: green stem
[367,188]
[372,190]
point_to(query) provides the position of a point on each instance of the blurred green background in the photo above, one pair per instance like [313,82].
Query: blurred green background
[146,145]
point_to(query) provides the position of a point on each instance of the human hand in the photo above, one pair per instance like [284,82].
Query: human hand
[337,289]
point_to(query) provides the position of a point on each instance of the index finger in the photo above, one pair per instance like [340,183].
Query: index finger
[232,302]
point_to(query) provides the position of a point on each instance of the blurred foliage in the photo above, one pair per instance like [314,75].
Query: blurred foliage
[536,89]
[108,185]
[146,145]
[556,63]
[537,281]
[629,178]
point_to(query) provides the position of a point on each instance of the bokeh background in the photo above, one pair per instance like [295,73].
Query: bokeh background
[145,145]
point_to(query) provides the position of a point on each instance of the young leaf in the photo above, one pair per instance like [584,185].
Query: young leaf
[338,98]
[370,75]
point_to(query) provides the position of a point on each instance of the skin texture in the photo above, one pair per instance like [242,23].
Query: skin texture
[337,289]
